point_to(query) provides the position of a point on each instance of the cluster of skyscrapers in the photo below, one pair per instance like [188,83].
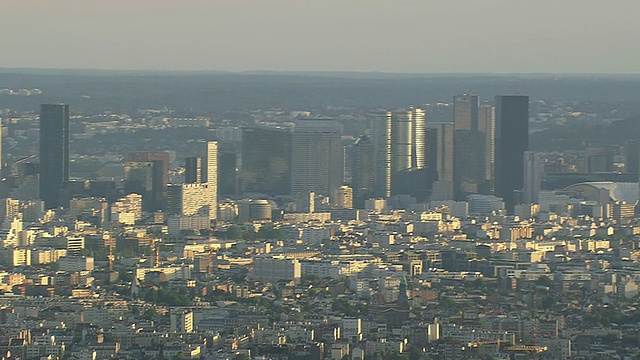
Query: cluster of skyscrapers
[481,151]
[145,173]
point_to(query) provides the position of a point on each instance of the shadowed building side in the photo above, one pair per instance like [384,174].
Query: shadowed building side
[512,140]
[54,153]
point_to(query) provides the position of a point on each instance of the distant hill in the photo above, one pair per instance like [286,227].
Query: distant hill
[210,92]
[579,137]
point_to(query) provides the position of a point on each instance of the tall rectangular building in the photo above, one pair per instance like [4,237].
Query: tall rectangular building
[265,165]
[139,179]
[193,170]
[532,178]
[160,169]
[469,146]
[465,112]
[363,170]
[208,151]
[512,140]
[382,142]
[445,152]
[487,126]
[399,145]
[189,200]
[317,157]
[54,153]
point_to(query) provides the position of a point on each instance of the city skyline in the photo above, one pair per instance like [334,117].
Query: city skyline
[323,180]
[135,227]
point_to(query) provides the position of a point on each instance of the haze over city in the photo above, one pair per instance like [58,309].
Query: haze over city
[319,180]
[406,36]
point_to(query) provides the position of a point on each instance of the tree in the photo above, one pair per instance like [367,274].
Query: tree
[268,232]
[544,280]
[234,233]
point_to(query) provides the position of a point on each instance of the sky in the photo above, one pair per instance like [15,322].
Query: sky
[404,36]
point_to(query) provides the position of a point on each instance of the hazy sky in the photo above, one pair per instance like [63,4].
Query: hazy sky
[427,36]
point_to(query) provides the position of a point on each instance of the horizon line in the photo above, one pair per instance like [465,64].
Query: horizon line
[312,72]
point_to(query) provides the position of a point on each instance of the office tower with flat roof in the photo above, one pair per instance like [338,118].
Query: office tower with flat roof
[54,153]
[512,140]
[382,141]
[632,157]
[465,111]
[487,126]
[317,157]
[139,179]
[532,178]
[469,146]
[407,139]
[228,163]
[418,156]
[193,170]
[401,140]
[189,200]
[399,146]
[266,160]
[363,170]
[208,151]
[443,152]
[160,169]
[342,197]
[306,202]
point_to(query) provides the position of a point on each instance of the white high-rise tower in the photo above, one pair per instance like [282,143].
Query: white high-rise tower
[532,177]
[208,151]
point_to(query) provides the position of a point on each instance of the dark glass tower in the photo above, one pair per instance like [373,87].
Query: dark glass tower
[512,140]
[160,176]
[193,170]
[363,170]
[54,153]
[266,160]
[469,147]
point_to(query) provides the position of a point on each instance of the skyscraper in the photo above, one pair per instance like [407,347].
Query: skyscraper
[399,145]
[419,145]
[407,139]
[382,135]
[54,153]
[266,160]
[487,126]
[444,152]
[317,157]
[363,170]
[532,178]
[160,168]
[193,170]
[208,151]
[140,178]
[401,140]
[469,146]
[189,200]
[465,112]
[512,140]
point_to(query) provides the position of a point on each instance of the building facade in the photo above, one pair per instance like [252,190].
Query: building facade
[54,153]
